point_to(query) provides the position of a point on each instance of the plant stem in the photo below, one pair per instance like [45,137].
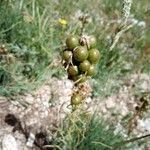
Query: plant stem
[119,144]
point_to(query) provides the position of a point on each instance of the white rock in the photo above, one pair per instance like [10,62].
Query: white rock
[104,110]
[119,129]
[110,103]
[29,98]
[30,140]
[9,143]
[147,124]
[68,84]
[144,86]
[134,21]
[141,24]
[144,124]
[89,100]
[124,111]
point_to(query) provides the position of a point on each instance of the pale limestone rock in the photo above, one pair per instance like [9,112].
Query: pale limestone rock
[110,103]
[9,143]
[30,140]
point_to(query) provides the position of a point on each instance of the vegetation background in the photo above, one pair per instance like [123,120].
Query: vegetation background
[33,35]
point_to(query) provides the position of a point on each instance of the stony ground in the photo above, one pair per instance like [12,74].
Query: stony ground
[47,106]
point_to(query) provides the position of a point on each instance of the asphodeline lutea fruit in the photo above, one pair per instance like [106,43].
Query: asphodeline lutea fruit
[80,58]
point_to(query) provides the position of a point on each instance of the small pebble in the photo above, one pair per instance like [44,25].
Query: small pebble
[9,143]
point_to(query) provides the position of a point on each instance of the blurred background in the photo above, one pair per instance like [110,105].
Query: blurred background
[33,32]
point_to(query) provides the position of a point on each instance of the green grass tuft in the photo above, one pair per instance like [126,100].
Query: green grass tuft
[83,132]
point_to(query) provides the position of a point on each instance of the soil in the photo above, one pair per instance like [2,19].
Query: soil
[29,118]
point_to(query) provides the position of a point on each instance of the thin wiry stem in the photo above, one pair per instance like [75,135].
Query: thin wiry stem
[52,146]
[103,144]
[126,12]
[119,144]
[118,35]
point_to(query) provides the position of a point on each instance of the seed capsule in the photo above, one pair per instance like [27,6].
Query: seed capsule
[91,71]
[72,42]
[94,56]
[84,66]
[80,53]
[76,99]
[67,55]
[72,70]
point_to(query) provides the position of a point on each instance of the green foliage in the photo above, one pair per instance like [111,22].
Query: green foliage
[85,132]
[32,34]
[26,31]
[5,77]
[98,137]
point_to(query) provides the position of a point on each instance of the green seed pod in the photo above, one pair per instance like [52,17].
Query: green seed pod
[76,99]
[67,55]
[92,41]
[91,71]
[72,71]
[80,53]
[72,42]
[84,66]
[94,56]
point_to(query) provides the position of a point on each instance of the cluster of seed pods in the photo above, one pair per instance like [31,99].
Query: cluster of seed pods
[80,58]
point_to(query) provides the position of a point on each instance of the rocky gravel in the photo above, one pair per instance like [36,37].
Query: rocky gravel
[51,103]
